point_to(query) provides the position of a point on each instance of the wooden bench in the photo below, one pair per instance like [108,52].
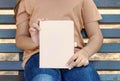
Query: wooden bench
[100,65]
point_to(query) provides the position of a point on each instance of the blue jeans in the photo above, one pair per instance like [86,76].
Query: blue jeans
[32,72]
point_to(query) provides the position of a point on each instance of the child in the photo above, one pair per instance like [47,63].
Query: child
[83,13]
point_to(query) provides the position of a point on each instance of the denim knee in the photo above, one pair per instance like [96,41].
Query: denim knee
[89,68]
[91,73]
[43,77]
[32,71]
[87,73]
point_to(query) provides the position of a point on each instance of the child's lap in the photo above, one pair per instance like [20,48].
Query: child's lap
[32,72]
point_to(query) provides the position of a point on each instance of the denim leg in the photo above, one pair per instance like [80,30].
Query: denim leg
[87,73]
[32,71]
[43,77]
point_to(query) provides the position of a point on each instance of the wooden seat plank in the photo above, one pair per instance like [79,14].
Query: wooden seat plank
[99,65]
[9,48]
[107,19]
[7,33]
[110,77]
[10,65]
[107,3]
[11,78]
[9,4]
[104,77]
[106,47]
[7,19]
[107,33]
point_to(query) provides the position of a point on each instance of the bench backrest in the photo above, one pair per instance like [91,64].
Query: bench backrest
[102,65]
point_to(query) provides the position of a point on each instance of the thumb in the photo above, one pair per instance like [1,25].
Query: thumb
[32,29]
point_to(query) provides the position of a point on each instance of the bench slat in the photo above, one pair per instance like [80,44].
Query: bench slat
[106,47]
[110,47]
[107,33]
[10,66]
[104,77]
[110,77]
[107,19]
[9,4]
[107,3]
[99,65]
[110,19]
[107,65]
[7,33]
[11,78]
[7,48]
[7,19]
[111,33]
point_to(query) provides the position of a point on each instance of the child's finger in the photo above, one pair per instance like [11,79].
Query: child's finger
[85,64]
[38,22]
[80,64]
[32,29]
[72,59]
[70,66]
[36,26]
[75,63]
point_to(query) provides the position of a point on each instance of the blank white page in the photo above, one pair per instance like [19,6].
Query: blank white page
[56,43]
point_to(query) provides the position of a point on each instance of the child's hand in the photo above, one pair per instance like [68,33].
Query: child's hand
[80,58]
[34,32]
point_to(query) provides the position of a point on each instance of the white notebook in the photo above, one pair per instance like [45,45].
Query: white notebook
[56,43]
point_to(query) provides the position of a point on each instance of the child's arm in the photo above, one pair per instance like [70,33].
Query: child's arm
[95,38]
[26,36]
[95,41]
[23,39]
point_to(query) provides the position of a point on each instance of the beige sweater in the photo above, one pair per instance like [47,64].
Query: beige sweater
[79,11]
